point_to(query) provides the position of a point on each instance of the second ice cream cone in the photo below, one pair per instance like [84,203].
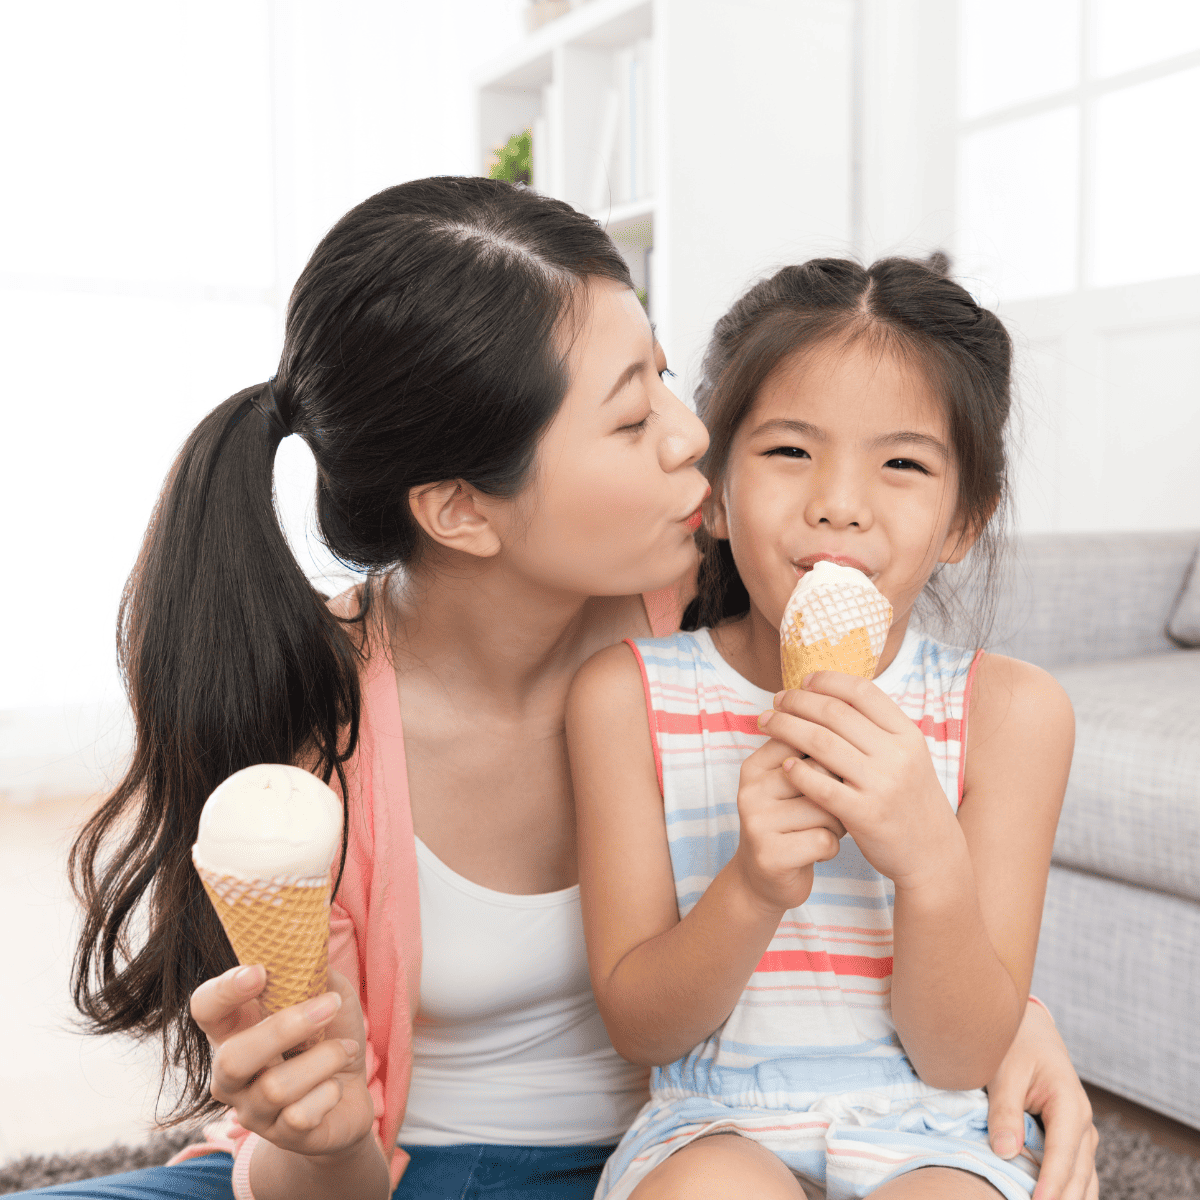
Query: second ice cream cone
[282,923]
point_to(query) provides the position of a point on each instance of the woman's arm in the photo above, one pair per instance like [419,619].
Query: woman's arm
[663,985]
[313,1111]
[968,891]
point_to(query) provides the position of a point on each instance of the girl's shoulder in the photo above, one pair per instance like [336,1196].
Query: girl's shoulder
[1013,700]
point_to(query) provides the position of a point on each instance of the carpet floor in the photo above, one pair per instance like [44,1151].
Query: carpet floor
[1130,1164]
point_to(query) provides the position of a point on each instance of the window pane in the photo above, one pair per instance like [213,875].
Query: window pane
[142,132]
[1146,184]
[1126,35]
[1016,51]
[1018,197]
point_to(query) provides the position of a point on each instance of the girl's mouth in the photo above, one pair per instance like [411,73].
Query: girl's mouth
[809,561]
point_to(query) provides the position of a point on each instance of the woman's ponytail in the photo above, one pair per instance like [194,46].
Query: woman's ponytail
[230,658]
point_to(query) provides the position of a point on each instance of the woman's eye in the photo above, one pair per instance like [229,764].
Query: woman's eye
[906,464]
[638,426]
[787,452]
[666,373]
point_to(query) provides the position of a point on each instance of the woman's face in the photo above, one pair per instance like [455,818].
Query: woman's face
[614,501]
[844,455]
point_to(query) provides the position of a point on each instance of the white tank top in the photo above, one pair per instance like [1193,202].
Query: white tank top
[508,1046]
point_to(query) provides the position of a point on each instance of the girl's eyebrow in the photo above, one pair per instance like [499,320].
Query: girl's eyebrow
[798,428]
[909,437]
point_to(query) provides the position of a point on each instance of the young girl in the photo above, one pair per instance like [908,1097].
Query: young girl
[830,1011]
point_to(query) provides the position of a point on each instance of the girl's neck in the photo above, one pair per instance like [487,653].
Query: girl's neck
[750,645]
[486,632]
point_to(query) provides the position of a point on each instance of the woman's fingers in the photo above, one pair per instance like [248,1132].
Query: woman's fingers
[247,1053]
[1068,1164]
[289,1085]
[228,1004]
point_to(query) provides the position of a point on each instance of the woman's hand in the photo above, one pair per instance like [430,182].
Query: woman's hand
[878,778]
[314,1104]
[782,833]
[1037,1076]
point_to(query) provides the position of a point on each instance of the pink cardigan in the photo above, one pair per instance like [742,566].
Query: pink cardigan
[375,926]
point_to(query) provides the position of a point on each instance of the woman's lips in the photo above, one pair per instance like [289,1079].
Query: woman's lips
[695,520]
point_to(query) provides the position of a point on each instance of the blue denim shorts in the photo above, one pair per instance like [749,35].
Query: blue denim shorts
[435,1173]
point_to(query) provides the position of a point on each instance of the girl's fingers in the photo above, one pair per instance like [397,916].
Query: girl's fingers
[1068,1137]
[861,695]
[817,785]
[816,741]
[243,1056]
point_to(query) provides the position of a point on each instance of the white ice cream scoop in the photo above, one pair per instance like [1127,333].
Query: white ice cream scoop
[269,820]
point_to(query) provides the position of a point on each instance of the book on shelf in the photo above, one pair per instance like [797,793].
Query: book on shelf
[624,151]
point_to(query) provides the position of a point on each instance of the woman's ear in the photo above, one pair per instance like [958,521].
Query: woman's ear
[455,515]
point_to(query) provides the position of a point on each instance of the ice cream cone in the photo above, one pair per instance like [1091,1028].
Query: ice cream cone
[835,620]
[266,839]
[282,923]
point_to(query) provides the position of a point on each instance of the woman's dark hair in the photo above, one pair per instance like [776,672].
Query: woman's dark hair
[423,344]
[901,306]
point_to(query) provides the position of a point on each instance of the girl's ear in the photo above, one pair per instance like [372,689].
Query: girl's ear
[964,533]
[715,520]
[456,516]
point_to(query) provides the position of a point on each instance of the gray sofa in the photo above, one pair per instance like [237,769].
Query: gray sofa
[1119,957]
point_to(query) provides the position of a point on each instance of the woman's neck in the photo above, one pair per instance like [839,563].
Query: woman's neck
[483,631]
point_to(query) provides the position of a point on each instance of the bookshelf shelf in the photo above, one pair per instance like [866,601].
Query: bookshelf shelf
[707,136]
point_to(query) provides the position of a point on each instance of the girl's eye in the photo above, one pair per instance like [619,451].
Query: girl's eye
[906,464]
[787,452]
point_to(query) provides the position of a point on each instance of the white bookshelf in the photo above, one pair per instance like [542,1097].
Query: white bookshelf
[715,133]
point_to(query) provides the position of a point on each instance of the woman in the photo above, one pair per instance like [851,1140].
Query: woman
[494,445]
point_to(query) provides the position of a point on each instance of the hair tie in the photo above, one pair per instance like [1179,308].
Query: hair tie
[270,410]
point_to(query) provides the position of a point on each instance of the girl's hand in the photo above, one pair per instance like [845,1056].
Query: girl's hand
[878,777]
[782,833]
[315,1104]
[1037,1076]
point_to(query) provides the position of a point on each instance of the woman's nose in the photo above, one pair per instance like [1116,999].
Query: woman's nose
[686,438]
[837,501]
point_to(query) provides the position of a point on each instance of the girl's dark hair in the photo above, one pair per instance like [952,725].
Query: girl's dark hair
[900,306]
[422,345]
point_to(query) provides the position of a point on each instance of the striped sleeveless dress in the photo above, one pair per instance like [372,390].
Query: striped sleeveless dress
[808,1063]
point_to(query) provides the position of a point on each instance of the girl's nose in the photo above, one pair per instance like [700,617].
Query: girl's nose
[837,502]
[686,438]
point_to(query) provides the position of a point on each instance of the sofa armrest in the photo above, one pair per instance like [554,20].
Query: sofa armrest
[1087,597]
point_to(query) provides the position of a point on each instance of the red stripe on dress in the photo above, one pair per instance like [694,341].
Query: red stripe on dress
[712,722]
[818,960]
[949,730]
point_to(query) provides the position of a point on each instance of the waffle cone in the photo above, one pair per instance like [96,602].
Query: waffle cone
[841,627]
[852,655]
[282,923]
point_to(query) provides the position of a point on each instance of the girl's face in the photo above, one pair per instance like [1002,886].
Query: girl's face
[844,455]
[614,503]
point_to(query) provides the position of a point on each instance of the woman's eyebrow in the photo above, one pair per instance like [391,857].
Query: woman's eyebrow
[624,378]
[909,437]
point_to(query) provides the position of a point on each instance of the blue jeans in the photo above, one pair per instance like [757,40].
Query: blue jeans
[435,1173]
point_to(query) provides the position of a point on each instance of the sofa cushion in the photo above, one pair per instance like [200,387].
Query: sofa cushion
[1132,808]
[1184,625]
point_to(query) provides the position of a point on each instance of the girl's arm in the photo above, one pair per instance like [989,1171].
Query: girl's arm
[968,891]
[663,985]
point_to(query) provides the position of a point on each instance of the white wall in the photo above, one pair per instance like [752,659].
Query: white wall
[168,169]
